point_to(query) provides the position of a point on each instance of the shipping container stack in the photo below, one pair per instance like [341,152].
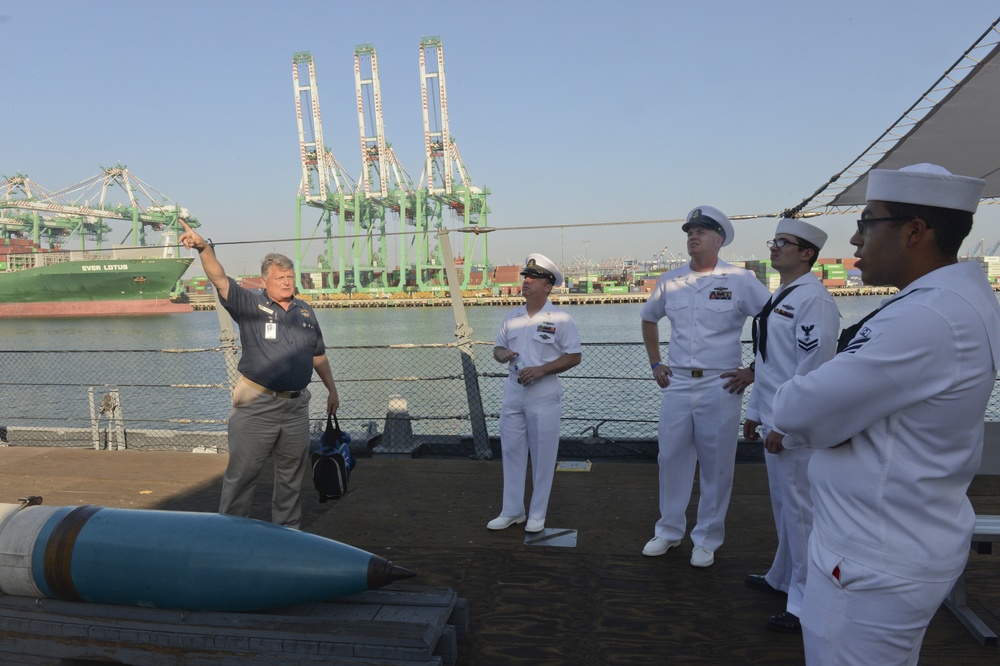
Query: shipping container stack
[507,280]
[834,274]
[761,268]
[198,285]
[17,246]
[990,266]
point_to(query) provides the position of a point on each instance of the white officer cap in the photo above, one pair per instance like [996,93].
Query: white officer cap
[926,185]
[711,218]
[540,266]
[810,233]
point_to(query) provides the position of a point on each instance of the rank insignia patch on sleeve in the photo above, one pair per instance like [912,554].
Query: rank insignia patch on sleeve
[806,342]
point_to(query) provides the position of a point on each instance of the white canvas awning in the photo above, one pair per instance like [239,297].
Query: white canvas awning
[955,124]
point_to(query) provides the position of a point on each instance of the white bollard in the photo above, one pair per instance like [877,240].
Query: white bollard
[397,437]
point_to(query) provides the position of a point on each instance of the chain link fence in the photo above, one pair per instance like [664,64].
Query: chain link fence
[409,400]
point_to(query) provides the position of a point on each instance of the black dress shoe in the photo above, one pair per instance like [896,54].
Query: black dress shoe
[758,582]
[785,622]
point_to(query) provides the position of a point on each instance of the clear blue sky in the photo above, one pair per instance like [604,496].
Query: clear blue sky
[571,112]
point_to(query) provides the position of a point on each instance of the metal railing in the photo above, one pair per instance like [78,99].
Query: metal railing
[410,399]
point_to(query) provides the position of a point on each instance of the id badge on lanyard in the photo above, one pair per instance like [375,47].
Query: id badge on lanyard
[270,331]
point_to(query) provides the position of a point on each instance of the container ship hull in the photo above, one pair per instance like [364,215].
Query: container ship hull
[93,288]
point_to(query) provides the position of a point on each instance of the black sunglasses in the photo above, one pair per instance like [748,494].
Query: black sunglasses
[866,222]
[782,242]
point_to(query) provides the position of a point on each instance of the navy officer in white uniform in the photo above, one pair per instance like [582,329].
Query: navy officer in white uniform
[707,302]
[896,421]
[537,341]
[795,333]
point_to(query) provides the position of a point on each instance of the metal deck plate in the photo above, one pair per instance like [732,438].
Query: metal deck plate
[552,536]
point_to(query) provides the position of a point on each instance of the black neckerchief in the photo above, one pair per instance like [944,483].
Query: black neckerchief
[759,330]
[848,333]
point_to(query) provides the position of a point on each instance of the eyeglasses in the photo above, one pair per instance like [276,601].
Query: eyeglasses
[782,242]
[866,222]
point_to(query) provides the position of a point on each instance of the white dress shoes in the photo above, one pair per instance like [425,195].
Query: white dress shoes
[503,522]
[535,525]
[702,557]
[658,546]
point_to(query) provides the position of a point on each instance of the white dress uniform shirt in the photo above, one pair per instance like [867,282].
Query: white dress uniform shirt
[537,340]
[898,424]
[802,335]
[707,312]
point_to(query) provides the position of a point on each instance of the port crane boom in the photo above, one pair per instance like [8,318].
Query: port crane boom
[384,185]
[325,184]
[383,192]
[442,161]
[68,211]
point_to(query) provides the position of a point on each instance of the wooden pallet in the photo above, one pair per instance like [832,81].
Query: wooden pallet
[400,626]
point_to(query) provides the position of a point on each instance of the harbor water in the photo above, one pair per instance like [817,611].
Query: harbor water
[341,327]
[169,372]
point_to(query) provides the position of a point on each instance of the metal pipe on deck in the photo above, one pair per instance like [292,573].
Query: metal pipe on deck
[480,437]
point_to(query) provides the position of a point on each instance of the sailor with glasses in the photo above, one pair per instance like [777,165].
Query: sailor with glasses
[795,333]
[707,302]
[896,425]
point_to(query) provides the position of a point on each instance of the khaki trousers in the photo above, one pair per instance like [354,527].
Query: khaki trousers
[261,425]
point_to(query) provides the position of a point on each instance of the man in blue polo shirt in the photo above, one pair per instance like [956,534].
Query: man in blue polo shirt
[282,345]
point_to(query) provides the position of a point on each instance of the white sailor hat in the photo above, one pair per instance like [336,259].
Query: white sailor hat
[810,233]
[711,218]
[926,185]
[540,266]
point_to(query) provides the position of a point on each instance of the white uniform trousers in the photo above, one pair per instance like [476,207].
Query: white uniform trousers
[866,616]
[261,425]
[791,502]
[529,425]
[698,424]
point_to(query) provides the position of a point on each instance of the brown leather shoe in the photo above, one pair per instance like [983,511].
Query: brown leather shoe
[758,582]
[786,623]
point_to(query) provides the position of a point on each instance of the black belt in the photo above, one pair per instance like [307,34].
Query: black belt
[266,391]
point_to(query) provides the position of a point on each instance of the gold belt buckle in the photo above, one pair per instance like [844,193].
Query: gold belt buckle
[697,373]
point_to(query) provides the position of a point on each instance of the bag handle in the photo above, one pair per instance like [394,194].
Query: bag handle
[331,422]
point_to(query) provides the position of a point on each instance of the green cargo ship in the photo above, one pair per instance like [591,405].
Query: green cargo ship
[89,284]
